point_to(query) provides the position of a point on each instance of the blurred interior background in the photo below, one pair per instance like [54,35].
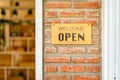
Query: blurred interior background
[17,39]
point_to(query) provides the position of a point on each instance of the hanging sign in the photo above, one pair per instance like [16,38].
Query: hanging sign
[71,34]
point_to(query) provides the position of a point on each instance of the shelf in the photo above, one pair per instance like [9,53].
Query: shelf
[24,60]
[18,53]
[17,67]
[15,52]
[15,78]
[22,38]
[26,64]
[18,19]
[1,74]
[5,60]
[32,74]
[20,3]
[17,8]
[18,0]
[16,74]
[24,0]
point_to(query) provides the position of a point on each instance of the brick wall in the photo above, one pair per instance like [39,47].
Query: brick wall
[72,62]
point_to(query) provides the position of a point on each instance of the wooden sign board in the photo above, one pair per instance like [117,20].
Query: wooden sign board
[71,34]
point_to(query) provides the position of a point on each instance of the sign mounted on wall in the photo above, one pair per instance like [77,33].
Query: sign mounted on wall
[71,34]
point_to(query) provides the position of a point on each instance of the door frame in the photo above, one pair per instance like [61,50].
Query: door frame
[39,39]
[110,40]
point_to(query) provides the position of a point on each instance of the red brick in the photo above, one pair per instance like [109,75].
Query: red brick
[81,13]
[92,22]
[66,21]
[71,65]
[71,50]
[49,22]
[93,14]
[50,49]
[78,50]
[51,14]
[93,69]
[72,68]
[95,41]
[65,50]
[50,68]
[72,14]
[57,59]
[58,5]
[78,60]
[86,5]
[68,14]
[92,60]
[86,60]
[57,77]
[93,50]
[78,77]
